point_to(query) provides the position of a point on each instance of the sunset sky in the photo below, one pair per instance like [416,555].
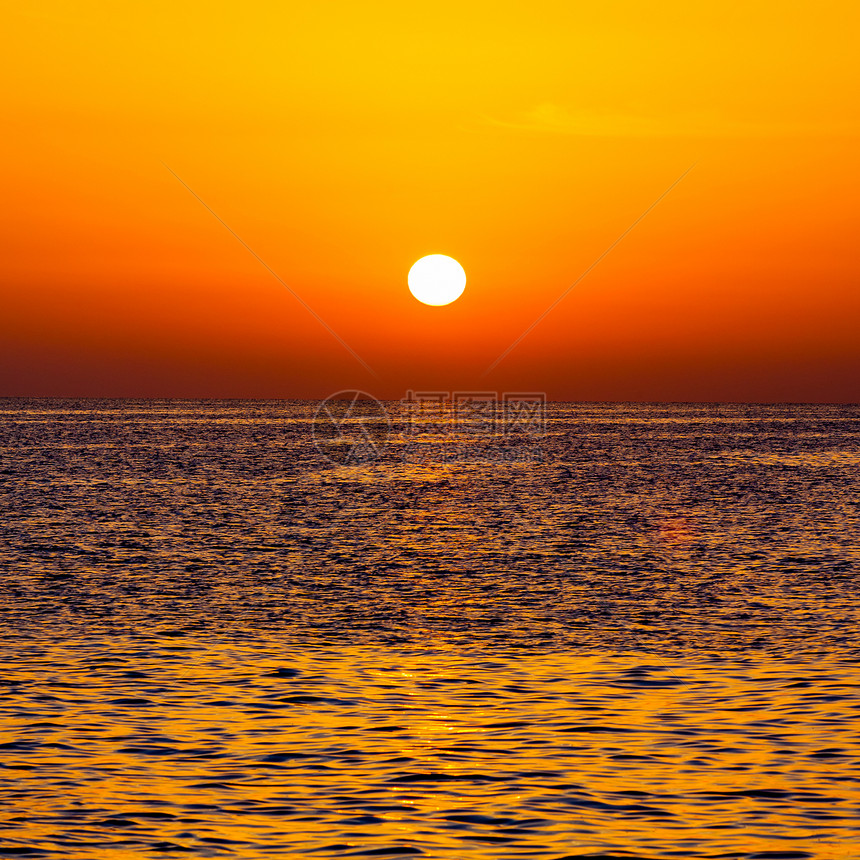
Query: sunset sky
[343,141]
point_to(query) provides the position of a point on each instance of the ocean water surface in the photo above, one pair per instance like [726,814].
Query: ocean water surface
[632,635]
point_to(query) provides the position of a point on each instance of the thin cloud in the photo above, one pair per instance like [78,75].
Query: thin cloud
[548,118]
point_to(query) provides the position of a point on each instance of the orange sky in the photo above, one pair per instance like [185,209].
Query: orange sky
[343,141]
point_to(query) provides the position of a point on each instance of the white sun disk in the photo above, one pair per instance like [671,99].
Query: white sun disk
[437,280]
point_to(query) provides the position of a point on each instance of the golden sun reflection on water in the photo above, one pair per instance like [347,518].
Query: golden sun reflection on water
[215,644]
[438,749]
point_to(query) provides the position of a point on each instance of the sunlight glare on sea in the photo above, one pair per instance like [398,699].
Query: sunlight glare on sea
[217,642]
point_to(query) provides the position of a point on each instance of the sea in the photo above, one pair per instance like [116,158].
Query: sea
[263,629]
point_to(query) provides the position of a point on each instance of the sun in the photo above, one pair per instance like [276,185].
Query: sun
[437,280]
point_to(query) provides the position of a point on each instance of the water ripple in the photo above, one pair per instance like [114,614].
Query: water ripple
[215,643]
